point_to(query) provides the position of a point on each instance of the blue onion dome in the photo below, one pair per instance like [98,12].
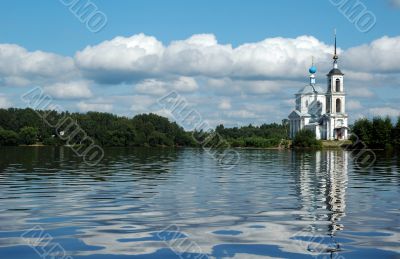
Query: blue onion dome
[313,70]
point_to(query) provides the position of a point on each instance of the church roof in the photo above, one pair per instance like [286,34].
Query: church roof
[297,114]
[309,89]
[335,71]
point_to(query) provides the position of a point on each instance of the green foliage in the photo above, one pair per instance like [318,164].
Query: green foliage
[381,132]
[103,128]
[50,141]
[378,133]
[396,134]
[28,135]
[264,136]
[363,129]
[8,137]
[306,139]
[142,130]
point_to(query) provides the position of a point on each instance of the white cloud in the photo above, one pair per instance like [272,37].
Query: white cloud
[143,104]
[121,57]
[151,86]
[94,106]
[160,87]
[395,3]
[280,57]
[380,56]
[199,55]
[384,111]
[261,87]
[225,104]
[185,84]
[238,84]
[360,92]
[4,102]
[69,90]
[242,114]
[354,105]
[19,67]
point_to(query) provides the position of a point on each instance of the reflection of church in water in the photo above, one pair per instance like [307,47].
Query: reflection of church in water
[322,181]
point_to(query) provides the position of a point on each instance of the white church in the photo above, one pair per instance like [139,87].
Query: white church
[322,111]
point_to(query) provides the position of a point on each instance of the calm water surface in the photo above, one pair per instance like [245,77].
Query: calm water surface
[179,203]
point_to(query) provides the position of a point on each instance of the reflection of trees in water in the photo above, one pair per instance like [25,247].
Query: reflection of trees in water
[321,181]
[40,159]
[61,167]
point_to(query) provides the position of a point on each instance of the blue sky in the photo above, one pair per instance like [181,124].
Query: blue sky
[81,79]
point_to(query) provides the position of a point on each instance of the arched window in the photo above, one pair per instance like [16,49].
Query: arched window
[338,85]
[338,106]
[306,103]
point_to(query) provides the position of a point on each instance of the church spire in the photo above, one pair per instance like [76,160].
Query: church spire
[335,56]
[312,70]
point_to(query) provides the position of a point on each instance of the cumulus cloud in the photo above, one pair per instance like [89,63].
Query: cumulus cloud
[142,104]
[151,86]
[279,57]
[225,104]
[354,105]
[185,84]
[199,55]
[384,111]
[237,82]
[395,3]
[130,58]
[381,55]
[4,102]
[94,106]
[360,92]
[19,67]
[159,87]
[242,114]
[121,59]
[69,90]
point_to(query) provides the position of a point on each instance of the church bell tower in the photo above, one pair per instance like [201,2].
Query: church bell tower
[335,102]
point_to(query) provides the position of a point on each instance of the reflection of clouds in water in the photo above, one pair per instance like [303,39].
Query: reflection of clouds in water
[257,210]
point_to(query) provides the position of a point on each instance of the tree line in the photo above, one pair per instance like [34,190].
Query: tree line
[264,136]
[377,133]
[27,127]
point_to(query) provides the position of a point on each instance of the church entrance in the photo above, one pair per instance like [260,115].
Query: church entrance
[339,134]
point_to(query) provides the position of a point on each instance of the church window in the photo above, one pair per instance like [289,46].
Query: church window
[338,85]
[338,106]
[328,105]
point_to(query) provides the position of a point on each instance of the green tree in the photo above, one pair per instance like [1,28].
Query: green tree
[306,138]
[381,132]
[396,134]
[28,135]
[8,138]
[362,128]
